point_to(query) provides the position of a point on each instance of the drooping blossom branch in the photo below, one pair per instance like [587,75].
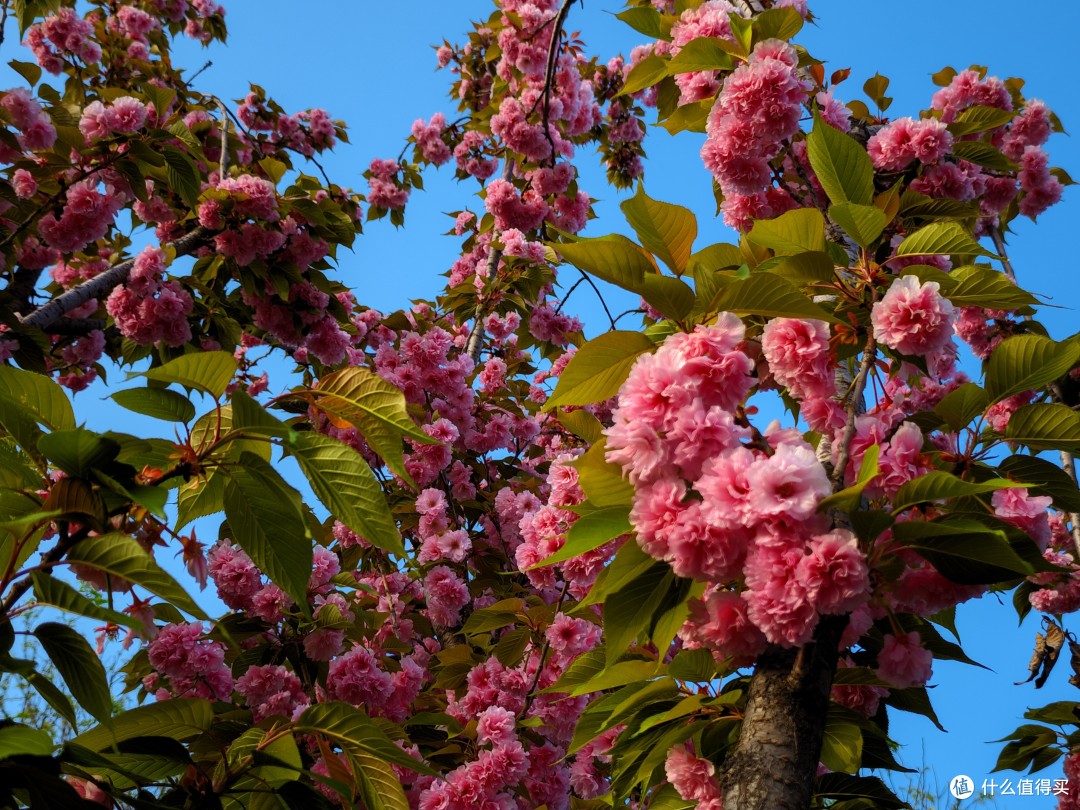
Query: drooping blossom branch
[47,314]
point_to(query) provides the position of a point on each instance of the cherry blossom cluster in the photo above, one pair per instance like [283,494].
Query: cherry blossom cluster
[721,509]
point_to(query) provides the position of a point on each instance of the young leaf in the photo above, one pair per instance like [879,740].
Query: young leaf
[79,666]
[628,611]
[841,164]
[700,54]
[666,230]
[599,368]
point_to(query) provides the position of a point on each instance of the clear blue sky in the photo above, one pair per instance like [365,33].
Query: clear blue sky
[372,65]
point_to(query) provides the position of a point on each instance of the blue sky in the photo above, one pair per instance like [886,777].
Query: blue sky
[372,65]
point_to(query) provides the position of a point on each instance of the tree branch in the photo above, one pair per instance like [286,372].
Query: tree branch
[475,344]
[47,314]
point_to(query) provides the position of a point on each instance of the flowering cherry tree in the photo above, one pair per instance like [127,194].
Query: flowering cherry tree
[542,571]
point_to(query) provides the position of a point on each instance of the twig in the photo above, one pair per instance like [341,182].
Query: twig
[853,403]
[50,558]
[999,245]
[223,163]
[1068,464]
[549,73]
[49,313]
[475,344]
[75,326]
[603,303]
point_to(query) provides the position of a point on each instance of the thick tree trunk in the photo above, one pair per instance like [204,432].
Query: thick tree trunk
[776,759]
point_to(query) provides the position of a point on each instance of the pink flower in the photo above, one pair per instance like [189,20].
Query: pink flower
[126,114]
[692,777]
[271,691]
[913,318]
[904,662]
[357,679]
[720,622]
[446,596]
[904,140]
[790,483]
[834,573]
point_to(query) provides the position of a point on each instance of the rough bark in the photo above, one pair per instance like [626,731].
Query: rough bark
[775,762]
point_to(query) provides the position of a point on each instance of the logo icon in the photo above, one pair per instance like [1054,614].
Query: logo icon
[961,787]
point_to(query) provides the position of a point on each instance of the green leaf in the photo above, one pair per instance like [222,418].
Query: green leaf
[981,286]
[982,154]
[941,239]
[700,54]
[714,257]
[79,666]
[1048,480]
[777,23]
[582,424]
[1023,362]
[611,676]
[120,556]
[345,484]
[601,480]
[692,117]
[379,787]
[54,696]
[802,268]
[178,719]
[645,73]
[963,550]
[863,223]
[856,792]
[266,520]
[796,231]
[665,229]
[841,746]
[583,669]
[599,368]
[766,294]
[961,405]
[376,408]
[199,498]
[58,594]
[591,531]
[643,20]
[613,258]
[628,611]
[695,666]
[78,451]
[354,731]
[209,372]
[511,646]
[849,499]
[28,70]
[840,163]
[42,398]
[672,297]
[182,174]
[979,119]
[942,486]
[1049,426]
[159,403]
[17,740]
